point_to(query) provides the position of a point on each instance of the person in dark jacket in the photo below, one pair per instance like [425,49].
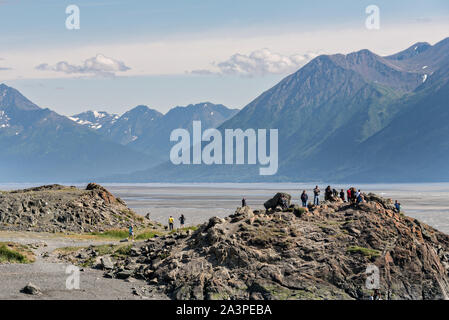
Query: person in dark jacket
[182,220]
[304,199]
[243,202]
[328,193]
[342,195]
[316,196]
[353,195]
[335,192]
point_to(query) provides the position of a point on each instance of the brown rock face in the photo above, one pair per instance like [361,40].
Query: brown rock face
[101,192]
[327,253]
[57,208]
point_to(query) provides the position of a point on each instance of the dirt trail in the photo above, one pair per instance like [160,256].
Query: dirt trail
[50,275]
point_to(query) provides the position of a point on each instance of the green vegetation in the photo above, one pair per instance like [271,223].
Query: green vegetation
[193,228]
[144,235]
[112,234]
[370,253]
[15,253]
[118,234]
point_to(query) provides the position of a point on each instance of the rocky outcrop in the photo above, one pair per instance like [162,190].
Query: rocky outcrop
[56,208]
[326,252]
[276,201]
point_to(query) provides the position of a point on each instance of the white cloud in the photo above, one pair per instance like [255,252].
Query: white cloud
[173,56]
[98,65]
[260,63]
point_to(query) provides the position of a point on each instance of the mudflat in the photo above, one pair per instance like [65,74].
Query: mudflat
[201,201]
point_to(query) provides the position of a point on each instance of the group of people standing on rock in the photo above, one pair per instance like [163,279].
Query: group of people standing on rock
[351,195]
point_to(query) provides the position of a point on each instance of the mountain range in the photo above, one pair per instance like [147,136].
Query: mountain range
[141,128]
[357,117]
[41,145]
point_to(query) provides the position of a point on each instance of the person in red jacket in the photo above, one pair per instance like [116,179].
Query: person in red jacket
[348,192]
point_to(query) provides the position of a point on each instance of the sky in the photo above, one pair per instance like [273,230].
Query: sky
[177,52]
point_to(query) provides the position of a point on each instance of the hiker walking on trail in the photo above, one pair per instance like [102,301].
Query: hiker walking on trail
[304,199]
[182,220]
[131,232]
[171,222]
[316,196]
[342,195]
[243,202]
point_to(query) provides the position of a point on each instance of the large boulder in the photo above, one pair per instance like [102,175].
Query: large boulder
[31,289]
[276,201]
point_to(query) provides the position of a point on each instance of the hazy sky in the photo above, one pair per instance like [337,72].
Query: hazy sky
[177,52]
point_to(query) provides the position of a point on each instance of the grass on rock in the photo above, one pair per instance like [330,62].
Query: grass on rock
[370,253]
[15,253]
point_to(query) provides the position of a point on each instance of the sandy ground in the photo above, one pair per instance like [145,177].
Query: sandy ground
[50,276]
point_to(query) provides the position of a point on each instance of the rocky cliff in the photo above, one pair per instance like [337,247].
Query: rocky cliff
[56,208]
[327,252]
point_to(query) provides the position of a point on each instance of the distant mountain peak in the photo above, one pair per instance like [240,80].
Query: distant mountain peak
[94,119]
[410,52]
[11,98]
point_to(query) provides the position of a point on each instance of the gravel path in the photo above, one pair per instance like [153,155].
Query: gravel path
[50,276]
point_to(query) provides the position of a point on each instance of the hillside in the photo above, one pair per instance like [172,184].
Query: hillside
[56,208]
[320,253]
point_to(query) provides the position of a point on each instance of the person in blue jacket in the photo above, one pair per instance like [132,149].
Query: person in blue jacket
[397,206]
